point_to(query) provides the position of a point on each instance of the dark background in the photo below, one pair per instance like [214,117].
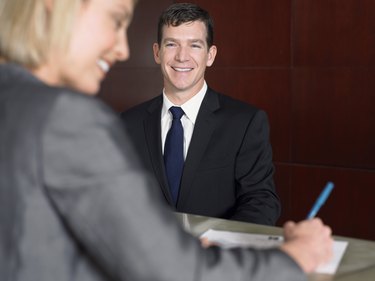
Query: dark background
[310,65]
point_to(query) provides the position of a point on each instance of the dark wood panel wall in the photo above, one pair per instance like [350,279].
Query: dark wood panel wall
[310,65]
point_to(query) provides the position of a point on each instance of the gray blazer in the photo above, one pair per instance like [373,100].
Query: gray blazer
[74,204]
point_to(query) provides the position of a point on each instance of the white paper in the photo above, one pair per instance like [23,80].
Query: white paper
[227,239]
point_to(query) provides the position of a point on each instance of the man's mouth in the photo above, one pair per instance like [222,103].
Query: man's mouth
[103,65]
[182,69]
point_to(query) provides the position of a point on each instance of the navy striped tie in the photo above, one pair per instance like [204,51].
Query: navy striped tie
[174,152]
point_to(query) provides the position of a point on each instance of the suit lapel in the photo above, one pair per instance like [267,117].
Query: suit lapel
[153,138]
[203,129]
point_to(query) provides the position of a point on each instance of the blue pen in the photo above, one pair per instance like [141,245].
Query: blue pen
[321,200]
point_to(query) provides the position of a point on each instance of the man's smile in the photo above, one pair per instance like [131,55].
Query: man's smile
[182,69]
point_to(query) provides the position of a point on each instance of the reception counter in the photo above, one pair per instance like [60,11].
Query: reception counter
[357,264]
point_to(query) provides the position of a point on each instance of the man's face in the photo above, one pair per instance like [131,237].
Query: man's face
[183,56]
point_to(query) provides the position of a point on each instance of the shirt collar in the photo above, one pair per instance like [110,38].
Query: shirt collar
[191,107]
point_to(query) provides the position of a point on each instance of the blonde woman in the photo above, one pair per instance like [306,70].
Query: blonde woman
[73,203]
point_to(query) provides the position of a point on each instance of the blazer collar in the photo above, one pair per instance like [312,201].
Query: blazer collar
[204,127]
[12,71]
[153,138]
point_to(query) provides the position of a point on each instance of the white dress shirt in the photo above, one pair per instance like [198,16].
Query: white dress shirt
[191,108]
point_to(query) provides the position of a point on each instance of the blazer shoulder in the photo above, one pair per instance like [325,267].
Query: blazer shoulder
[232,105]
[18,83]
[71,104]
[79,108]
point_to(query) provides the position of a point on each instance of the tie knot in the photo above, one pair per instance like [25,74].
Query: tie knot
[176,111]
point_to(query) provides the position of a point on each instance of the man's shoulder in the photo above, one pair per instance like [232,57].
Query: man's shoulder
[231,104]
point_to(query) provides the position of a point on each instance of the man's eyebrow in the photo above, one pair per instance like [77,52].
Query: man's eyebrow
[197,41]
[170,39]
[189,40]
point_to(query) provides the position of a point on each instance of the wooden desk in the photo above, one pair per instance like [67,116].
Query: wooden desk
[357,264]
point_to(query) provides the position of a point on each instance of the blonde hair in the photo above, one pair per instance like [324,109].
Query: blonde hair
[30,28]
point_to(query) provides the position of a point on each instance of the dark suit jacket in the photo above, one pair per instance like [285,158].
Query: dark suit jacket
[75,206]
[228,169]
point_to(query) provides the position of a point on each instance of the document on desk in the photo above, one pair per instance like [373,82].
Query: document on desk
[227,239]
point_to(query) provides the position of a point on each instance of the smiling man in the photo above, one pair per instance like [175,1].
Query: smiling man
[209,152]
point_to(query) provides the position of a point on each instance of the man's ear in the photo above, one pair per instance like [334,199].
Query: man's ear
[156,50]
[211,55]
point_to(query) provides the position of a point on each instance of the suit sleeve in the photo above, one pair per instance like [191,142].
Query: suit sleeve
[105,200]
[257,200]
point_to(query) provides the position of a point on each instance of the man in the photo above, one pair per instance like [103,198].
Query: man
[227,170]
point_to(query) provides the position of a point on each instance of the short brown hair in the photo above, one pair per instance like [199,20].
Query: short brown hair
[180,13]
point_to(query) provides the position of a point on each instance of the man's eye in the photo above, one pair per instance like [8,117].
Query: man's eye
[196,46]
